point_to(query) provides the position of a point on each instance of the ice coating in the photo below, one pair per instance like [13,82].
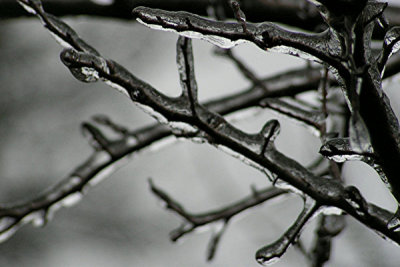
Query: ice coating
[9,225]
[84,66]
[340,150]
[37,218]
[279,183]
[26,7]
[117,87]
[158,116]
[60,41]
[213,39]
[343,158]
[272,252]
[268,261]
[293,52]
[330,210]
[180,128]
[392,38]
[106,172]
[71,199]
[89,74]
[382,175]
[7,232]
[394,224]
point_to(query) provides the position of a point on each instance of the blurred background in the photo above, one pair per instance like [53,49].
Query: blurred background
[119,222]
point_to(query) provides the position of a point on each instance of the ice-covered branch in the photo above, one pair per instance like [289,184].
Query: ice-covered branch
[340,150]
[130,142]
[219,132]
[211,127]
[108,156]
[184,58]
[186,117]
[222,215]
[275,250]
[321,47]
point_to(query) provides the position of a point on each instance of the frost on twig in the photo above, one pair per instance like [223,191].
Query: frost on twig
[221,216]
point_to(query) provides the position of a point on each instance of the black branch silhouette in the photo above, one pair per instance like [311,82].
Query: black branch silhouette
[341,43]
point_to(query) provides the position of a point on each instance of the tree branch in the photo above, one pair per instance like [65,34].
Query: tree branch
[188,118]
[329,227]
[223,215]
[220,133]
[216,130]
[274,251]
[227,34]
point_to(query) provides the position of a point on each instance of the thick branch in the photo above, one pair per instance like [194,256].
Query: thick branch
[266,35]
